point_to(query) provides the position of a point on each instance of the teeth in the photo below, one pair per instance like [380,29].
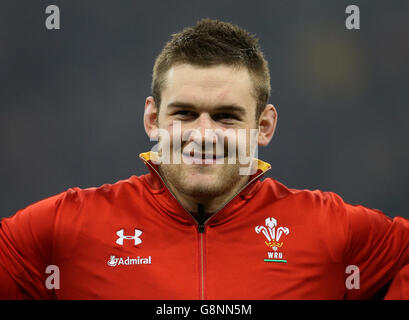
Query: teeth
[203,156]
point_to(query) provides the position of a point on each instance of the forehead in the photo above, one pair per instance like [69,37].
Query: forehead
[209,86]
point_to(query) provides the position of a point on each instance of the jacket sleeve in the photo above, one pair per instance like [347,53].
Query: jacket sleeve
[378,245]
[399,288]
[26,240]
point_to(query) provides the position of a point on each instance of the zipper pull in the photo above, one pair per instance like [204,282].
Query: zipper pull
[201,227]
[200,218]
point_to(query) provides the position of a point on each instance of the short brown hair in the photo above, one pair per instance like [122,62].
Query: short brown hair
[212,42]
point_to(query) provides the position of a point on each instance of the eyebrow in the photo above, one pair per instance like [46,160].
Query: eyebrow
[222,108]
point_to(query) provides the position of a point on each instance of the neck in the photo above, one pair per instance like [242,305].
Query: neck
[208,205]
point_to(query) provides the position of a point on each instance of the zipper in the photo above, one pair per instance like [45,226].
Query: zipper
[201,224]
[202,263]
[201,228]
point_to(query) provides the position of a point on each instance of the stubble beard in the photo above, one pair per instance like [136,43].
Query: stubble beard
[221,183]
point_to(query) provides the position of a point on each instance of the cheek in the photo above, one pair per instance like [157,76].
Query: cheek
[171,132]
[238,136]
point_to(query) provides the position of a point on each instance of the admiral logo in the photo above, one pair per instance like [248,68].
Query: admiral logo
[114,261]
[273,236]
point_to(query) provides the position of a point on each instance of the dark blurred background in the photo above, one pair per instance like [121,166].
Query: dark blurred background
[72,100]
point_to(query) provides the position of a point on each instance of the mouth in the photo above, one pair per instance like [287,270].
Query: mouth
[203,158]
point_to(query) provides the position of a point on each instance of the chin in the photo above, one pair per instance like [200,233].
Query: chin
[203,185]
[203,182]
[202,190]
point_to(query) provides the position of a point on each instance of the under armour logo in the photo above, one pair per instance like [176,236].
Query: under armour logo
[121,236]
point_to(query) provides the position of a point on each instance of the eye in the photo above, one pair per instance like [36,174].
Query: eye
[226,117]
[184,114]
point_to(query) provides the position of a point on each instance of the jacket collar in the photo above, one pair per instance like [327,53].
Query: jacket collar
[171,205]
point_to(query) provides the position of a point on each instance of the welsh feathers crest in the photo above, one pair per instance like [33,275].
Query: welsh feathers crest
[272,233]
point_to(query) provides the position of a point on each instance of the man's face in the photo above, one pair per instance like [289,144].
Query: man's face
[196,99]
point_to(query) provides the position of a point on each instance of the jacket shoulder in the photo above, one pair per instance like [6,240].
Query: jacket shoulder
[108,191]
[306,196]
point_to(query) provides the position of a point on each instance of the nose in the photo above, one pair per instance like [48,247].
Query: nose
[204,122]
[197,131]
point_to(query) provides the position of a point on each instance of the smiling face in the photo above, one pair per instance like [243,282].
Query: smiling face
[218,98]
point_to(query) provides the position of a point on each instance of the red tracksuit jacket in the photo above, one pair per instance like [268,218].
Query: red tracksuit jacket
[133,240]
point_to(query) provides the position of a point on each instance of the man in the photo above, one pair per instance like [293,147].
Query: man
[199,225]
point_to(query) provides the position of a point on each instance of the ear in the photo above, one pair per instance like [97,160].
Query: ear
[267,124]
[150,118]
